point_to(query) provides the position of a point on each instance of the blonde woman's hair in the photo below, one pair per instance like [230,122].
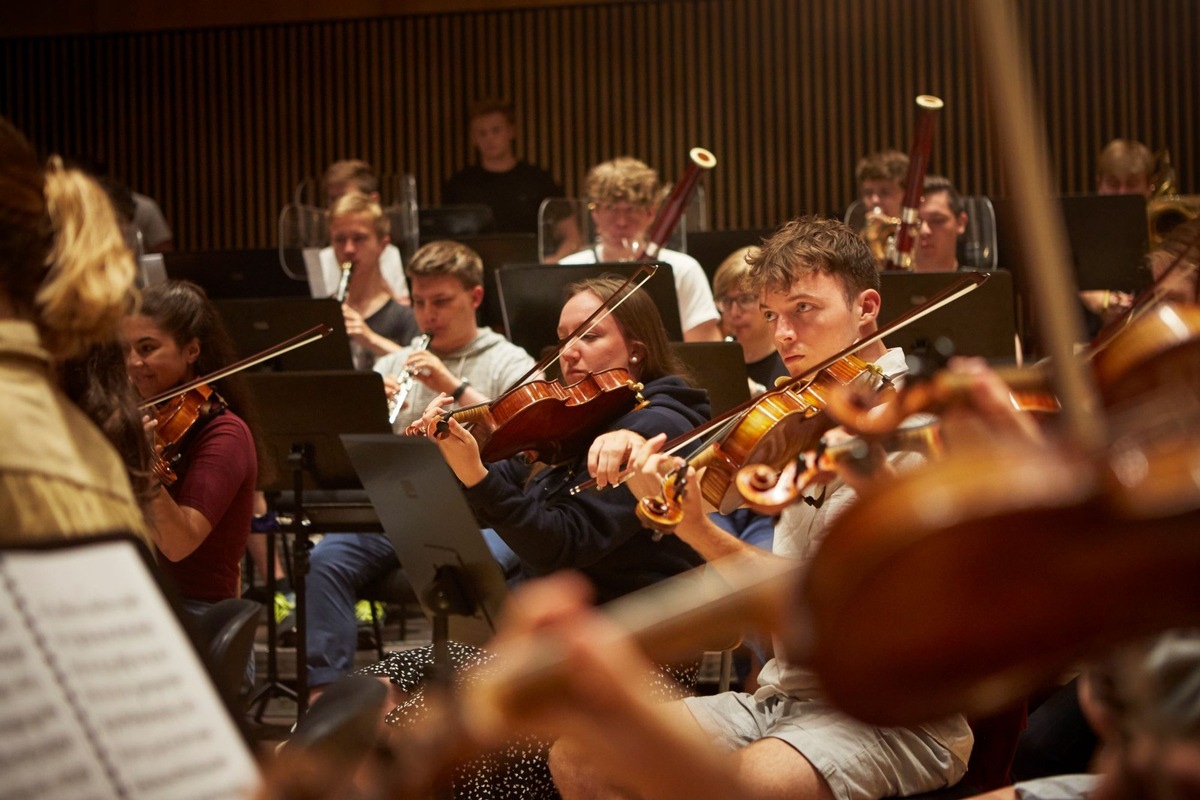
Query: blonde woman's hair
[89,285]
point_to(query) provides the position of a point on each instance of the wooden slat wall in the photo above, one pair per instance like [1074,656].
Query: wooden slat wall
[220,125]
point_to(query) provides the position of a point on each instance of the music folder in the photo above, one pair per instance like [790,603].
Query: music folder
[103,693]
[429,523]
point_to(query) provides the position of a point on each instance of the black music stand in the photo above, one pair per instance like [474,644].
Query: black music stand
[1107,236]
[435,534]
[235,273]
[710,248]
[255,325]
[983,323]
[302,416]
[720,369]
[532,295]
[497,250]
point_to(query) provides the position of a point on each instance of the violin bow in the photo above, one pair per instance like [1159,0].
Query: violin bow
[299,340]
[643,273]
[718,426]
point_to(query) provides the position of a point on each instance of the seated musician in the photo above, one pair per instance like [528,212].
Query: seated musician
[351,176]
[943,220]
[466,362]
[624,195]
[65,278]
[1124,166]
[819,290]
[199,523]
[375,322]
[880,179]
[742,319]
[597,533]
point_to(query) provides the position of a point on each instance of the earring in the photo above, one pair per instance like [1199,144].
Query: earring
[633,359]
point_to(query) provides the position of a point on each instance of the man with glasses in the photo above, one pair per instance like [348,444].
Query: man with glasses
[743,319]
[624,194]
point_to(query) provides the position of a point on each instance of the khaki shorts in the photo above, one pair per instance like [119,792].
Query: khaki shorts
[858,761]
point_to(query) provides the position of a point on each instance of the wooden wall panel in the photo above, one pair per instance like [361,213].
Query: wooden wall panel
[221,125]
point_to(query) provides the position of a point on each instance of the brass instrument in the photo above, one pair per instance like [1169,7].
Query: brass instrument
[1167,209]
[407,378]
[879,231]
[344,282]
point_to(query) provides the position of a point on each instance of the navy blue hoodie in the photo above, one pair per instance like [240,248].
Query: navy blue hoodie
[595,532]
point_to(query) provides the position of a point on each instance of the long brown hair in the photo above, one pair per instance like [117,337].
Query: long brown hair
[182,310]
[640,323]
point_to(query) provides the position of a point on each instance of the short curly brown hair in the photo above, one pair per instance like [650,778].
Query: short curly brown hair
[811,244]
[623,179]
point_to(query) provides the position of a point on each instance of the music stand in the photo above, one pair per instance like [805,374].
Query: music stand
[255,325]
[720,369]
[1107,235]
[496,250]
[301,417]
[710,248]
[532,296]
[983,323]
[434,532]
[450,222]
[236,273]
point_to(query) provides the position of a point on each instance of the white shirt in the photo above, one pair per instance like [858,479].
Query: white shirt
[390,267]
[696,305]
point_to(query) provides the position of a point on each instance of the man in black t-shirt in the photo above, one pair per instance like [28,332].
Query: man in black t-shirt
[511,187]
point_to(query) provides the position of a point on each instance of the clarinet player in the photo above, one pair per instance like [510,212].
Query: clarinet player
[469,363]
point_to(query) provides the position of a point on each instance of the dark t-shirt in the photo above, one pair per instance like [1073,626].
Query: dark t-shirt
[767,369]
[220,470]
[392,321]
[513,196]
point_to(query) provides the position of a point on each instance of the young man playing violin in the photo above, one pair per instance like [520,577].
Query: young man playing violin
[819,291]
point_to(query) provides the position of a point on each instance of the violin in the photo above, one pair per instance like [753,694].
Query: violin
[548,421]
[545,419]
[781,424]
[769,491]
[177,419]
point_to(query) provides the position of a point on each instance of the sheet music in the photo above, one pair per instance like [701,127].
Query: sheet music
[43,750]
[130,674]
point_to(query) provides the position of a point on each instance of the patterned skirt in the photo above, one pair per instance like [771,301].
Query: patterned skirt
[519,770]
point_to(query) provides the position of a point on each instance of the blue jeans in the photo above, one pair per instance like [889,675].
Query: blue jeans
[341,565]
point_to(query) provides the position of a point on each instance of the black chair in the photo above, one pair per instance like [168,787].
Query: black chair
[225,632]
[392,588]
[341,727]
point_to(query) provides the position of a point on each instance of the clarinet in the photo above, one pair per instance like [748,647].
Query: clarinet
[407,379]
[344,282]
[900,252]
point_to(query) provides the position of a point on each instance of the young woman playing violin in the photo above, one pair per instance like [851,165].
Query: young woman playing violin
[201,521]
[596,533]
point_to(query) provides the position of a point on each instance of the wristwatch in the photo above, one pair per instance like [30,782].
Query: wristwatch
[462,387]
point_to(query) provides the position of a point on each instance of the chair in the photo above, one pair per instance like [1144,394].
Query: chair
[342,725]
[225,633]
[394,588]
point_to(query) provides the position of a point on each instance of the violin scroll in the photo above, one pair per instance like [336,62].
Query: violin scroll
[664,513]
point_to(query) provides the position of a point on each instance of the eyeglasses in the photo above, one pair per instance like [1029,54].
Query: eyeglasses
[744,302]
